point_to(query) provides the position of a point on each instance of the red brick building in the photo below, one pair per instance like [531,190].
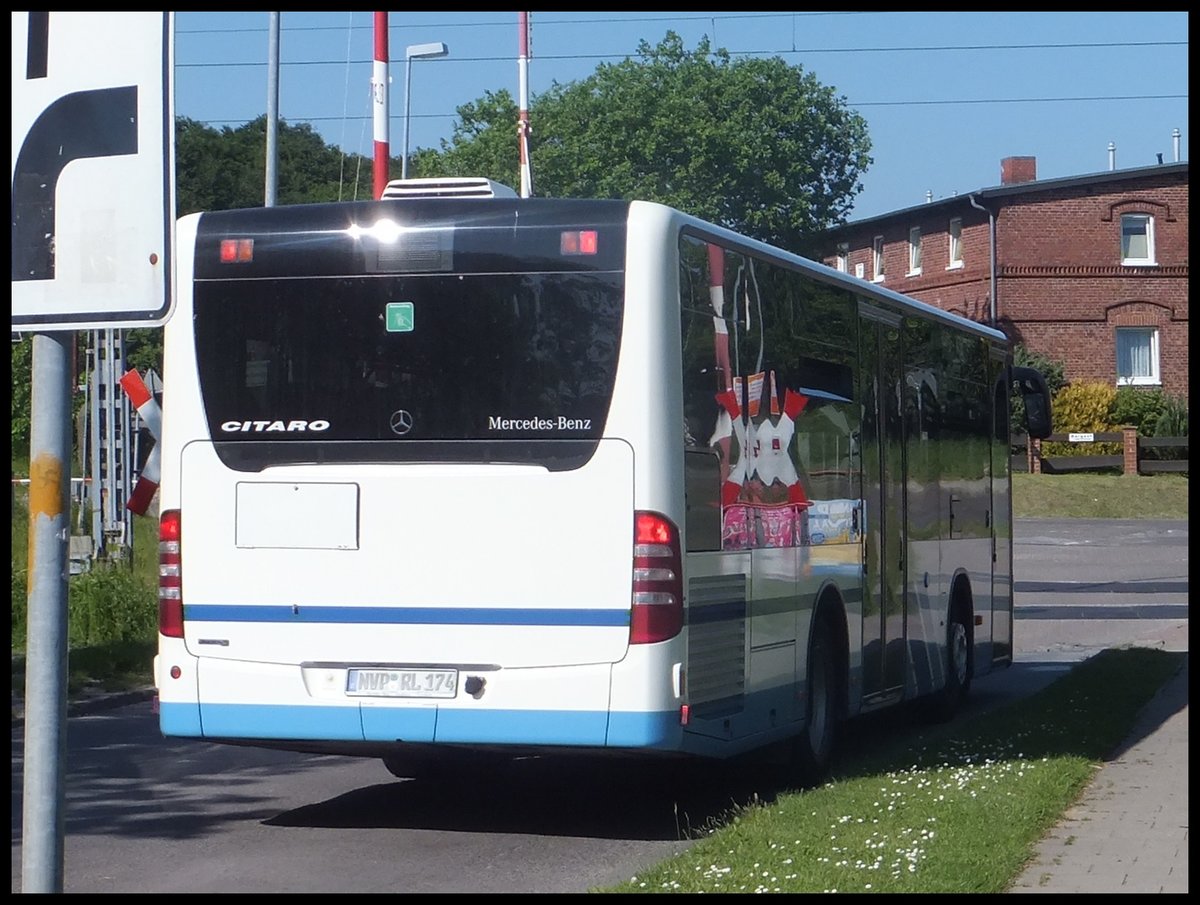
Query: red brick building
[1091,271]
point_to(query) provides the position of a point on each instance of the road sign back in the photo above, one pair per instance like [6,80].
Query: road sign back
[93,178]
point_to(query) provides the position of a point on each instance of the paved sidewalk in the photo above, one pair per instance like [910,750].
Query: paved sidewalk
[1129,831]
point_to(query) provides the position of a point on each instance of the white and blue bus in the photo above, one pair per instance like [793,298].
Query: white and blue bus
[448,478]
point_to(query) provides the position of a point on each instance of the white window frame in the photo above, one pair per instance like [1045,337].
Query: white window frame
[1153,377]
[954,232]
[1146,221]
[877,259]
[843,256]
[914,252]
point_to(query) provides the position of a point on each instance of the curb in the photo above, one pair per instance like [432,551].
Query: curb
[92,704]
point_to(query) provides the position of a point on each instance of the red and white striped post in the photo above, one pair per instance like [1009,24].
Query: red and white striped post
[151,413]
[379,101]
[523,124]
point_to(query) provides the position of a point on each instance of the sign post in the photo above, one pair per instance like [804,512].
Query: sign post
[93,212]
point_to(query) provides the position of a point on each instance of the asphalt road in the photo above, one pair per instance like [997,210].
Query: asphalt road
[147,814]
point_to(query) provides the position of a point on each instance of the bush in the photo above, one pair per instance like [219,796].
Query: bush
[107,604]
[1083,408]
[110,603]
[20,602]
[1138,406]
[1173,420]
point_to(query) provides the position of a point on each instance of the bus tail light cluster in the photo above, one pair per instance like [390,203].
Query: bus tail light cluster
[657,580]
[237,251]
[170,577]
[579,242]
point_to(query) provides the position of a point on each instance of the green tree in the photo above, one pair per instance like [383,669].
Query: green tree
[226,168]
[483,142]
[757,145]
[22,374]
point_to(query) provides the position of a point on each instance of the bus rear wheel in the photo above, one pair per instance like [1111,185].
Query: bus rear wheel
[814,747]
[959,668]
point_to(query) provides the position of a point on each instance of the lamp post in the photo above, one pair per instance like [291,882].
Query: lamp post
[415,52]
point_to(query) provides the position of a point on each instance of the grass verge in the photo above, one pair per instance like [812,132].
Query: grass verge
[1100,496]
[108,667]
[958,808]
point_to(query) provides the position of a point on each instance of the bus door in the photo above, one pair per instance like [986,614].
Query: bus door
[881,385]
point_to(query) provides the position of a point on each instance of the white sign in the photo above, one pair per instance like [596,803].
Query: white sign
[1081,438]
[93,169]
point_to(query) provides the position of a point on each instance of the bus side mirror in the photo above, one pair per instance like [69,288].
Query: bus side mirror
[1036,396]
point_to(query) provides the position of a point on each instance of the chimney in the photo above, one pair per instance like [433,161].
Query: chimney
[1018,169]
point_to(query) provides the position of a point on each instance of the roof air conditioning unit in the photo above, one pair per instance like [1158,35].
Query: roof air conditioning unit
[447,187]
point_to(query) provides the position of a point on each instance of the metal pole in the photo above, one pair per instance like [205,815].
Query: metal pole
[407,84]
[992,309]
[379,101]
[44,801]
[412,52]
[272,110]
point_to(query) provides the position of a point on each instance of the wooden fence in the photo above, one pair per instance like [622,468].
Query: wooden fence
[1028,457]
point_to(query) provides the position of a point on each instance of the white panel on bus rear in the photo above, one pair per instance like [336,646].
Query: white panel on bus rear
[509,566]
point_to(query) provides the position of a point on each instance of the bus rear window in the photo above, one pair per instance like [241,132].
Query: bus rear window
[512,361]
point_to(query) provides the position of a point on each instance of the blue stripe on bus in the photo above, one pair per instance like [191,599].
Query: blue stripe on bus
[329,723]
[180,720]
[660,730]
[402,615]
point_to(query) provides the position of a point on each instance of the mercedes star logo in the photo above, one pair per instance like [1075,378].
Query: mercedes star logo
[401,422]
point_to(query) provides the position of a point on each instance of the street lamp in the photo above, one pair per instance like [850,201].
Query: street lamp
[415,52]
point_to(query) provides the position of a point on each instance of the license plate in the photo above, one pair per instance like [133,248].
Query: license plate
[402,683]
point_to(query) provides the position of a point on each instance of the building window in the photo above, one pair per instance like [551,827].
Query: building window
[1137,239]
[843,256]
[1137,356]
[956,258]
[877,259]
[914,251]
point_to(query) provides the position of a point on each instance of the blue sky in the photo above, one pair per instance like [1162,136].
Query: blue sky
[946,96]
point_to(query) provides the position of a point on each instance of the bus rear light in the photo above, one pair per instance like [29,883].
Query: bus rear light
[170,576]
[579,242]
[657,612]
[237,251]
